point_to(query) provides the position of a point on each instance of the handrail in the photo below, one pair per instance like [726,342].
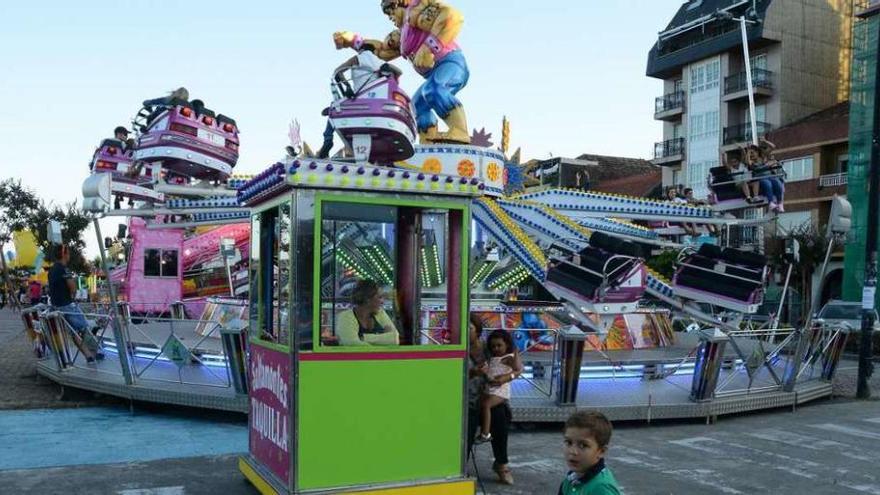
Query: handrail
[831,180]
[727,274]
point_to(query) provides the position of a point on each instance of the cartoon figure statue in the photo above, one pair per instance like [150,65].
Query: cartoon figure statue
[426,35]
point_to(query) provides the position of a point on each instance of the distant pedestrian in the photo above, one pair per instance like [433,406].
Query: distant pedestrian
[35,290]
[587,435]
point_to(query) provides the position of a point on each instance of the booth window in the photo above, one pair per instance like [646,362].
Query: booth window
[160,263]
[270,274]
[377,262]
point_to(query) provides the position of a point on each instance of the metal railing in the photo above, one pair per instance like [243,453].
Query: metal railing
[742,133]
[832,180]
[186,354]
[670,147]
[669,101]
[761,78]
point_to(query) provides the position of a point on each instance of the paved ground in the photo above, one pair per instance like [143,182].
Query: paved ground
[20,387]
[832,446]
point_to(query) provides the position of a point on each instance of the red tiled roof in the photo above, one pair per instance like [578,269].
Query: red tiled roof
[634,185]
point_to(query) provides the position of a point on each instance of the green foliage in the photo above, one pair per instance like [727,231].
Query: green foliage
[17,204]
[73,221]
[813,245]
[21,208]
[664,263]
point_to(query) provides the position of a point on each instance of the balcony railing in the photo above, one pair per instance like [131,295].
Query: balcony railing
[669,101]
[761,78]
[832,180]
[668,148]
[743,132]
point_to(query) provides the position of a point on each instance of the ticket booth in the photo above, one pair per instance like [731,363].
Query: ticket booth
[342,409]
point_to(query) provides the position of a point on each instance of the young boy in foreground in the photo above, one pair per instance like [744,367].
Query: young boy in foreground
[587,434]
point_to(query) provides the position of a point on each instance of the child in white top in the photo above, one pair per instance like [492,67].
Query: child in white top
[500,375]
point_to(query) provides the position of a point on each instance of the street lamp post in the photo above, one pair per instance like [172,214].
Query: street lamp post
[863,390]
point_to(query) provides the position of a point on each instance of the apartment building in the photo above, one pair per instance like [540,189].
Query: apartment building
[800,59]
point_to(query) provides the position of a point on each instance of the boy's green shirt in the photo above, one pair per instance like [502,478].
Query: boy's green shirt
[601,484]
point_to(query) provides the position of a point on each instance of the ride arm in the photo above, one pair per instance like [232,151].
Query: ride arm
[444,23]
[387,50]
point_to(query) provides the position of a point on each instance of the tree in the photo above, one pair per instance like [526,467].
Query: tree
[21,208]
[813,245]
[73,223]
[17,203]
[664,263]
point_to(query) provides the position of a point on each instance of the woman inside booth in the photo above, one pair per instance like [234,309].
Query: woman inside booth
[366,323]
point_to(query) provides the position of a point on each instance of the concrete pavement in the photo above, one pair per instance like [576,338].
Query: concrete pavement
[830,447]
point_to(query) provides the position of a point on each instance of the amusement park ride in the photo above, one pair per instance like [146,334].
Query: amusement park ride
[432,225]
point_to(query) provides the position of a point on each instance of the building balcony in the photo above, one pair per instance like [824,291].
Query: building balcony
[669,152]
[810,192]
[669,106]
[741,134]
[833,180]
[736,85]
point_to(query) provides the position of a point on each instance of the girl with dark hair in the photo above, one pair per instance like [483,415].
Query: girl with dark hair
[500,414]
[500,375]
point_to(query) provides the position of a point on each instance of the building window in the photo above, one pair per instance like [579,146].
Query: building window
[759,61]
[760,114]
[843,163]
[798,169]
[705,76]
[697,174]
[160,263]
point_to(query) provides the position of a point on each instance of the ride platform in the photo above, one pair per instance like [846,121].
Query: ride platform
[635,384]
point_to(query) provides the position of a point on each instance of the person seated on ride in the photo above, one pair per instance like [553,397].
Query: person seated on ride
[179,95]
[673,196]
[366,323]
[740,175]
[120,134]
[767,183]
[366,68]
[691,200]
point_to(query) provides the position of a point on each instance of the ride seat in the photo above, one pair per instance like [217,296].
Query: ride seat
[726,189]
[731,273]
[749,259]
[112,142]
[225,120]
[574,278]
[388,69]
[201,110]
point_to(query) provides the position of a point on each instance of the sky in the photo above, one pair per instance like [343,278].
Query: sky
[569,74]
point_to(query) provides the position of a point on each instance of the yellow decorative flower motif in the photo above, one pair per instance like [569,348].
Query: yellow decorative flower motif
[432,166]
[466,168]
[493,171]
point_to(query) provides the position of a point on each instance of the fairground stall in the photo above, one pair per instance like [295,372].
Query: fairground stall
[398,404]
